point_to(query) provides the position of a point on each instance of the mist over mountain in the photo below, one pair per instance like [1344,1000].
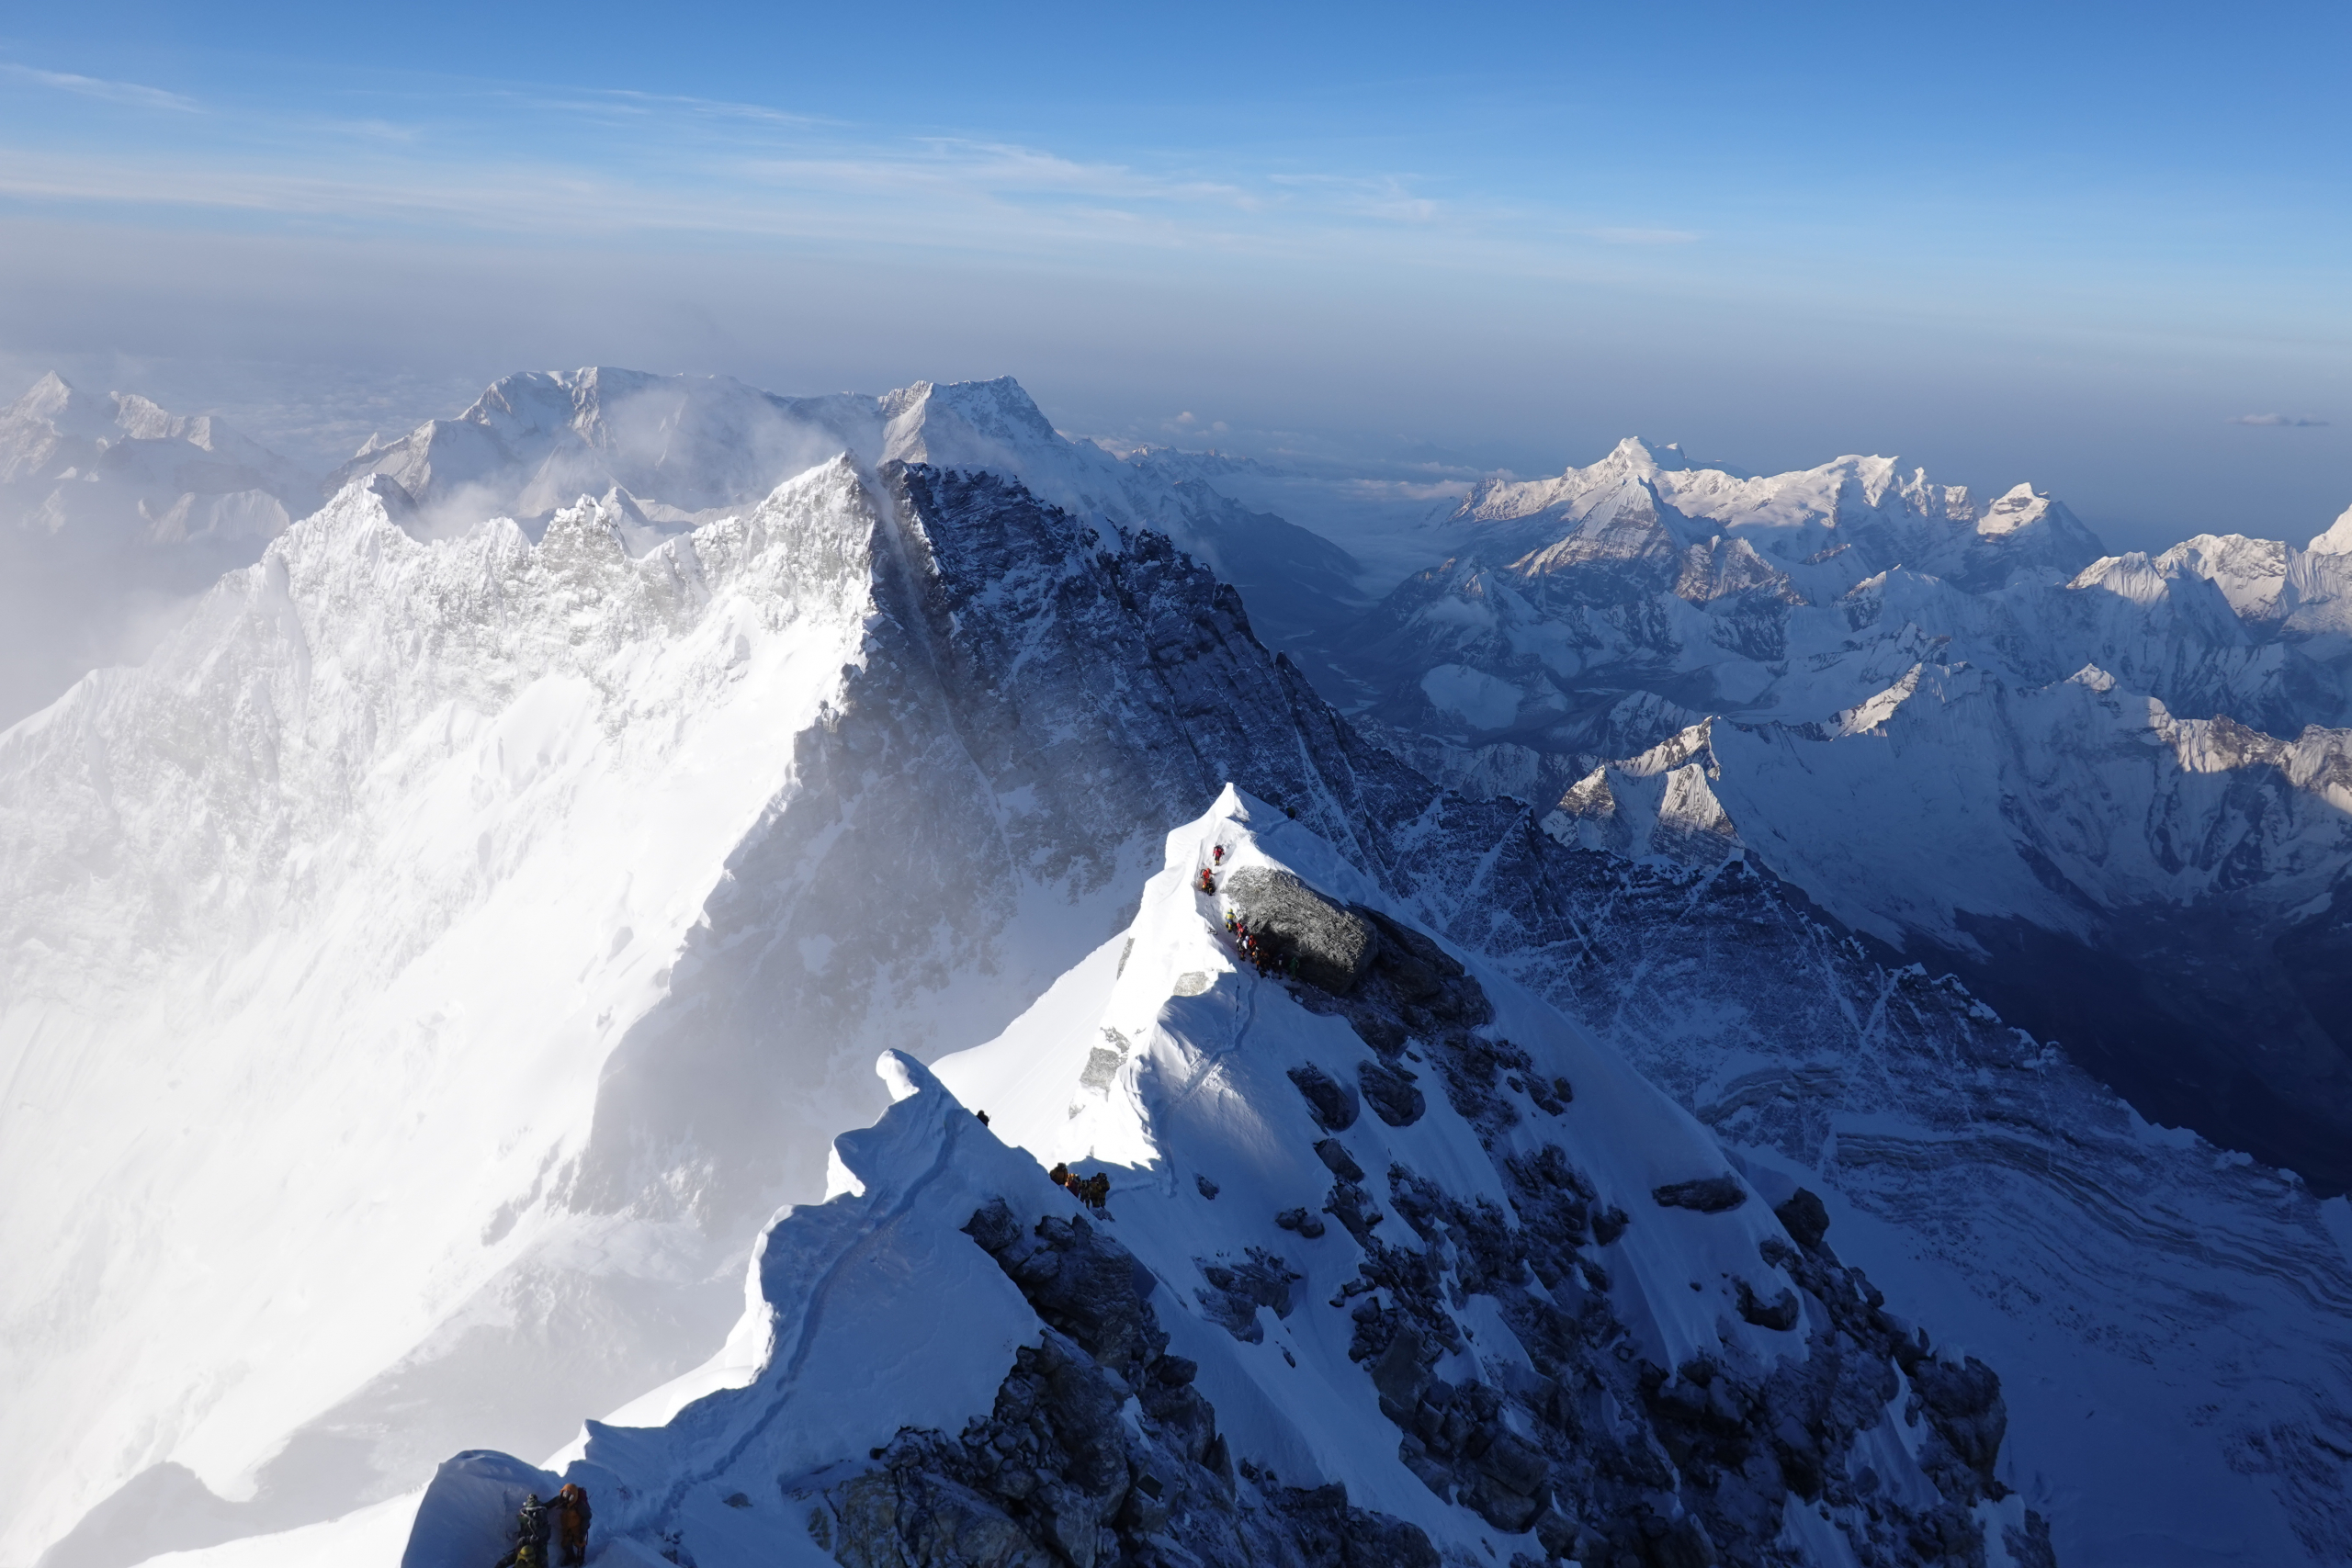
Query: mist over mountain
[1655,1015]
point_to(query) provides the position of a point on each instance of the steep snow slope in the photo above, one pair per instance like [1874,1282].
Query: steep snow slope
[617,867]
[1027,706]
[304,903]
[1545,1347]
[2173,1323]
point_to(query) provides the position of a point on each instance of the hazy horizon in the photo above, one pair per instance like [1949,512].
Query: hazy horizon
[2079,252]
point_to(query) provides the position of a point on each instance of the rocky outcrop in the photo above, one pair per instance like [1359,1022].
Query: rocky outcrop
[1099,1449]
[1333,944]
[1708,1194]
[1594,1450]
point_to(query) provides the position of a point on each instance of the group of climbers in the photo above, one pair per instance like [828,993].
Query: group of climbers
[1094,1190]
[1255,949]
[570,1511]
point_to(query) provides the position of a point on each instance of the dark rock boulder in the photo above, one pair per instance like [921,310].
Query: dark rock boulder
[1779,1313]
[1337,1161]
[1333,1104]
[1333,944]
[1805,1218]
[1390,1093]
[1334,1533]
[1708,1195]
[1964,1405]
[1081,1281]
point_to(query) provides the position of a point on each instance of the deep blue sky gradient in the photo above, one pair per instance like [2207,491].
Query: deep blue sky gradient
[2063,244]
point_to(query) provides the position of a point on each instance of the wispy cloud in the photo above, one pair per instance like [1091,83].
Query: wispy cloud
[2277,419]
[129,93]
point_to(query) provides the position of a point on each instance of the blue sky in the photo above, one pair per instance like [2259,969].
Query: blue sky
[2061,244]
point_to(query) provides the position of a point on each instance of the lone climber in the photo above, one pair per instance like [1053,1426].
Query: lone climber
[1208,880]
[571,1526]
[530,1549]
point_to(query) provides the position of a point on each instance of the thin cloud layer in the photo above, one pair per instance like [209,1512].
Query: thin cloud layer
[2288,420]
[129,93]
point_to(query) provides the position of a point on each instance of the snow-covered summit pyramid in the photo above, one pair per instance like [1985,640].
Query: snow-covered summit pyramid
[668,451]
[1404,1269]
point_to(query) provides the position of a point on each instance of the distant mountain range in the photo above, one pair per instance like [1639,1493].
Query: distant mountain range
[432,983]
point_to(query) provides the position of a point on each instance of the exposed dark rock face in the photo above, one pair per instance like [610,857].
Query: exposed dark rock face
[1054,1477]
[1332,943]
[1600,1453]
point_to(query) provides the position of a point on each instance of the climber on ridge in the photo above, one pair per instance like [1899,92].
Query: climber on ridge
[1094,1190]
[530,1549]
[1208,880]
[571,1526]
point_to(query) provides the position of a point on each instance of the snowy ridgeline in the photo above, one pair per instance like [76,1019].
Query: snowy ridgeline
[513,917]
[1413,1270]
[2109,791]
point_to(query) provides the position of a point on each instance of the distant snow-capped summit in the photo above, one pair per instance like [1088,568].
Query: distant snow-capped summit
[121,467]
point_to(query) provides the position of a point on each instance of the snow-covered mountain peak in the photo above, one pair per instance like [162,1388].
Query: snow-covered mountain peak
[1393,1256]
[119,469]
[2336,539]
[924,420]
[2018,507]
